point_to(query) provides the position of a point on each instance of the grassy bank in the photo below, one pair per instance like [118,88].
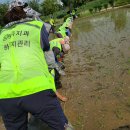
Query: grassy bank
[93,8]
[88,14]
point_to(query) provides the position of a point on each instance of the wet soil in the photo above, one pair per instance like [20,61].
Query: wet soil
[1,124]
[97,80]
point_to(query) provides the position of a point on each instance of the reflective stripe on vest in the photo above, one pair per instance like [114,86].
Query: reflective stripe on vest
[23,67]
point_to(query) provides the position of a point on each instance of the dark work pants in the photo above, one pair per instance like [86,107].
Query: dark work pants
[42,105]
[58,83]
[56,52]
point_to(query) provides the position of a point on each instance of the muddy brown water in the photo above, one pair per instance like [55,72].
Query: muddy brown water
[97,80]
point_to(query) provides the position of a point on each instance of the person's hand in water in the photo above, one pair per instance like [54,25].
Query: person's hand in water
[62,98]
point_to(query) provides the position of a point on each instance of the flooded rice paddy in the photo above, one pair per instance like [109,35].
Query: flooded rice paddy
[97,80]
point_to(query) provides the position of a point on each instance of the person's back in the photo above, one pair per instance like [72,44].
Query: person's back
[52,23]
[26,86]
[22,60]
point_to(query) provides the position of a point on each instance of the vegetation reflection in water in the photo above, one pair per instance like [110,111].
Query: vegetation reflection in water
[97,80]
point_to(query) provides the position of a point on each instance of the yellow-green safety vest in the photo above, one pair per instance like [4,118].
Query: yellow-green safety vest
[56,43]
[24,70]
[69,19]
[52,21]
[73,12]
[62,27]
[65,24]
[63,33]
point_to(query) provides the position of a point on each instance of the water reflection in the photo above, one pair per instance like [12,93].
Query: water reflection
[119,18]
[97,72]
[103,29]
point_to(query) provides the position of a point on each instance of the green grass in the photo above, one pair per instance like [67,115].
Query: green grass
[96,5]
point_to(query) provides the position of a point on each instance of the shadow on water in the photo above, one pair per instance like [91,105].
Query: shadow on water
[97,80]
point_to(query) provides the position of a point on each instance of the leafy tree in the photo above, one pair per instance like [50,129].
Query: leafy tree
[35,5]
[65,2]
[91,10]
[95,8]
[3,10]
[99,7]
[50,6]
[111,2]
[71,3]
[105,6]
[78,3]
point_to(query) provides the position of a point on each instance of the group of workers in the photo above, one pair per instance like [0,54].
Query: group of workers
[60,46]
[30,69]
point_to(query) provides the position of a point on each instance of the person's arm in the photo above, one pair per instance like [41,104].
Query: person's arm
[44,39]
[62,98]
[56,51]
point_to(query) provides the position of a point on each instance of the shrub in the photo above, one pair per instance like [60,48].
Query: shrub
[95,8]
[111,2]
[99,7]
[61,15]
[105,5]
[91,10]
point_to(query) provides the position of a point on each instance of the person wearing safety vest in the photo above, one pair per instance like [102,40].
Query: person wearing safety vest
[68,26]
[69,19]
[69,22]
[61,33]
[25,82]
[64,30]
[52,23]
[59,47]
[74,14]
